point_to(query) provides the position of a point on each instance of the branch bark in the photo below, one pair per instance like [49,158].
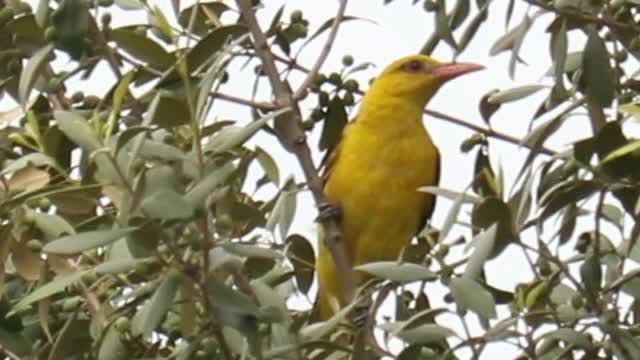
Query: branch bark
[291,134]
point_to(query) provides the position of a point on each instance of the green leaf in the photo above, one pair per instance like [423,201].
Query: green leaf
[168,110]
[247,250]
[443,29]
[300,253]
[52,225]
[565,193]
[72,244]
[570,336]
[119,94]
[319,329]
[202,17]
[514,94]
[167,205]
[394,271]
[161,25]
[630,109]
[483,245]
[199,192]
[227,299]
[451,218]
[559,51]
[494,211]
[333,124]
[426,333]
[111,346]
[33,159]
[78,130]
[510,40]
[71,21]
[129,4]
[268,165]
[119,266]
[451,194]
[231,136]
[31,72]
[211,44]
[284,209]
[591,275]
[472,29]
[142,48]
[52,287]
[459,14]
[629,148]
[573,62]
[150,315]
[597,72]
[469,294]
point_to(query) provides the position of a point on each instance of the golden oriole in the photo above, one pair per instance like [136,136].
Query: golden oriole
[374,172]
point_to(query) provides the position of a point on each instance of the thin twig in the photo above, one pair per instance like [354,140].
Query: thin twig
[292,136]
[265,106]
[326,49]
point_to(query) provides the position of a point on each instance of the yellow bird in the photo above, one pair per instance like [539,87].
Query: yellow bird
[374,172]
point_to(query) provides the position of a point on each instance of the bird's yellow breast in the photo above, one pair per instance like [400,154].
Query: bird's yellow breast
[375,180]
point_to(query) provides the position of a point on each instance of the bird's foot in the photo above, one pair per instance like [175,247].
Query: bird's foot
[360,313]
[328,211]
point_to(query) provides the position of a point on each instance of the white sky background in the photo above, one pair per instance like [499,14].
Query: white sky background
[400,29]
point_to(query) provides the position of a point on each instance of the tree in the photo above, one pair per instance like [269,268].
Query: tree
[131,227]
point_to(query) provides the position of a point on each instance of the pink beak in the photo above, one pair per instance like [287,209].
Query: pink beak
[448,71]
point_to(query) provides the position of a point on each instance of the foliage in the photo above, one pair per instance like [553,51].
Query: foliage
[132,226]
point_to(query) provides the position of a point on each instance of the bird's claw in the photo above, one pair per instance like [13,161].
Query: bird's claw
[360,313]
[328,211]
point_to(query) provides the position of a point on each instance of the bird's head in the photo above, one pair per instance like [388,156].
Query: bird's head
[418,77]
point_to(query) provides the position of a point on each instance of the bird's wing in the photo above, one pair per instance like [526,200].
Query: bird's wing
[428,210]
[331,156]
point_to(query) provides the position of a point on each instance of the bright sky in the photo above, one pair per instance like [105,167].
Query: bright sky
[396,30]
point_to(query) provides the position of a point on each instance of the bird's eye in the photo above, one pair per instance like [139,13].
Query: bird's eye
[413,66]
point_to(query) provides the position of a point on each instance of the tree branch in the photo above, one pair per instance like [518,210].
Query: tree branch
[324,53]
[291,134]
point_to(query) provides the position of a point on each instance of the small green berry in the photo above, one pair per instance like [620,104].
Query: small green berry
[347,99]
[122,324]
[105,19]
[105,3]
[544,268]
[44,203]
[319,80]
[299,31]
[430,5]
[577,301]
[77,97]
[14,66]
[347,60]
[34,245]
[317,114]
[335,79]
[91,101]
[296,16]
[351,85]
[71,304]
